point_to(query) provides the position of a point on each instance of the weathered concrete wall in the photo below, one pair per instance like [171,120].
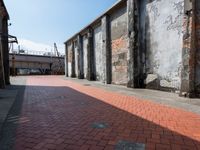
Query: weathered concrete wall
[2,77]
[5,50]
[142,43]
[197,75]
[85,55]
[119,46]
[66,61]
[164,20]
[98,56]
[69,60]
[76,58]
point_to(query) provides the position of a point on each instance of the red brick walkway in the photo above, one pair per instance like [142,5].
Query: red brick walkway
[59,114]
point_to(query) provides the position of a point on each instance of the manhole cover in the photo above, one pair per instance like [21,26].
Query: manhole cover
[62,97]
[126,145]
[99,125]
[86,84]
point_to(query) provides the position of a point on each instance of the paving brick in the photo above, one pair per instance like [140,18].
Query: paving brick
[58,114]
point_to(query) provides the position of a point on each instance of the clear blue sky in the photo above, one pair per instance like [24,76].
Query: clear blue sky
[49,21]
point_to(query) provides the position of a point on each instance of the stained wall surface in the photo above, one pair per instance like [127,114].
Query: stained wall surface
[98,56]
[76,58]
[164,36]
[119,46]
[85,55]
[143,47]
[69,59]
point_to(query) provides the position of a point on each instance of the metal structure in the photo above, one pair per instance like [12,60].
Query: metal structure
[60,66]
[11,41]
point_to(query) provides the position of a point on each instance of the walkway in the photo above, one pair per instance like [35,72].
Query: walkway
[58,114]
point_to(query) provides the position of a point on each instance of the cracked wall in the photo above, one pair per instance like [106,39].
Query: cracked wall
[69,47]
[164,43]
[98,54]
[119,46]
[85,55]
[76,58]
[144,44]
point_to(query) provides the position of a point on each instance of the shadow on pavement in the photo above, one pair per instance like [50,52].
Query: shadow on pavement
[52,113]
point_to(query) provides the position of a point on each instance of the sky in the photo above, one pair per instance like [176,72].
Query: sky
[39,23]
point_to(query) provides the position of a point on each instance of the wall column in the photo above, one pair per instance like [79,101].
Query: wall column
[80,57]
[188,53]
[66,60]
[5,51]
[2,78]
[90,57]
[73,75]
[196,4]
[106,49]
[134,74]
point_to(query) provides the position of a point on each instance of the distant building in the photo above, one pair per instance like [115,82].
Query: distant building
[4,50]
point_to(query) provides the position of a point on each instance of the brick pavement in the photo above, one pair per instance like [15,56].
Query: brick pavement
[59,114]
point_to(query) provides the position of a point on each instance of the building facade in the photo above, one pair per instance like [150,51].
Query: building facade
[4,49]
[141,44]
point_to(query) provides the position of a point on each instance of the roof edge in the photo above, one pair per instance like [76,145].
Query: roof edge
[97,19]
[5,9]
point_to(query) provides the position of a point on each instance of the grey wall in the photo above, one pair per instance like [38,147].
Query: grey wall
[119,46]
[70,60]
[164,19]
[98,57]
[85,56]
[76,58]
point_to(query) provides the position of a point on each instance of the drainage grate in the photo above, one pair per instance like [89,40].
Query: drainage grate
[127,145]
[99,125]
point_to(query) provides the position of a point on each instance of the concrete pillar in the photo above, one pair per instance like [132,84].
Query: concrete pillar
[66,60]
[73,75]
[5,51]
[90,57]
[197,44]
[80,57]
[106,49]
[189,52]
[2,78]
[134,80]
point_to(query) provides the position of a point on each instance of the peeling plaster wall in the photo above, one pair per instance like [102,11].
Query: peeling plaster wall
[70,60]
[98,56]
[164,36]
[119,46]
[85,55]
[76,58]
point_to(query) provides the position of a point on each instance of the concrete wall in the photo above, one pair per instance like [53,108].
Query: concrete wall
[2,76]
[119,46]
[164,20]
[85,55]
[76,58]
[144,43]
[197,69]
[98,57]
[70,60]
